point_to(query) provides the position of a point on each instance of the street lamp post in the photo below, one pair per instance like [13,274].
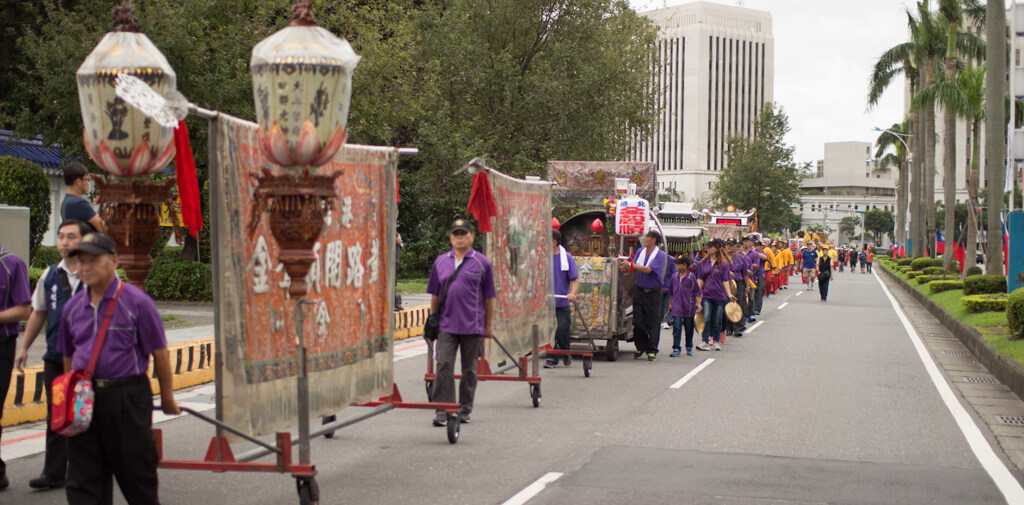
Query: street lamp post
[900,136]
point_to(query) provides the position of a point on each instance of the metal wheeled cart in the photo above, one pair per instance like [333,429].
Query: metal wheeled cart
[584,349]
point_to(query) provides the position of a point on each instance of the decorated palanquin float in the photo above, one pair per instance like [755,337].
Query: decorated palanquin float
[730,223]
[683,226]
[604,208]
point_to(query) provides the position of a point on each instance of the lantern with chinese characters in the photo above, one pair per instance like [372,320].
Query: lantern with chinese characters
[119,137]
[124,142]
[302,86]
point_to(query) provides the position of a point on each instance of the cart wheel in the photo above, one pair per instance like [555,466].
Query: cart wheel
[328,420]
[587,363]
[309,492]
[430,385]
[453,428]
[611,349]
[535,395]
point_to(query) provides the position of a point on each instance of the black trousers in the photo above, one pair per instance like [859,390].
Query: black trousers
[55,463]
[823,286]
[119,444]
[7,346]
[647,320]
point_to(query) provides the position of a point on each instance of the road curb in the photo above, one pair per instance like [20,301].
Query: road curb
[1007,370]
[191,362]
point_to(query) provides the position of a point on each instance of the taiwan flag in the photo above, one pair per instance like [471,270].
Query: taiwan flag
[959,253]
[940,243]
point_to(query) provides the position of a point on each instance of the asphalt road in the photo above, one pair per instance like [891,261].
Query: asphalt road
[821,403]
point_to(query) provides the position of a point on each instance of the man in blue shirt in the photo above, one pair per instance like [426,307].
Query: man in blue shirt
[810,263]
[649,265]
[566,283]
[75,206]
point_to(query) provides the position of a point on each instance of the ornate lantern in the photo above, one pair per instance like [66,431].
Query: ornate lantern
[302,87]
[118,137]
[124,142]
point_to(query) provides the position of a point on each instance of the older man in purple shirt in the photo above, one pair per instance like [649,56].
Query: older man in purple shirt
[15,305]
[119,441]
[649,265]
[464,320]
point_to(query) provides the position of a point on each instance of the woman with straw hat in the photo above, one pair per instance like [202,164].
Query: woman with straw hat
[713,276]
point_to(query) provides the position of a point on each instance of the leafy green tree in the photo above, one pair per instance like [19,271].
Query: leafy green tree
[878,222]
[848,226]
[761,173]
[23,184]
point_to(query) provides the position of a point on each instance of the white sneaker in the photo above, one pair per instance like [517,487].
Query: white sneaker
[718,347]
[703,347]
[665,326]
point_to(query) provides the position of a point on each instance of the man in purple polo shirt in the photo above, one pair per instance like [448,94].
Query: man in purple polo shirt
[465,319]
[119,441]
[15,305]
[566,283]
[649,265]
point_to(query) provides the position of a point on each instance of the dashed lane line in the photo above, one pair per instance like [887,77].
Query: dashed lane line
[532,490]
[686,378]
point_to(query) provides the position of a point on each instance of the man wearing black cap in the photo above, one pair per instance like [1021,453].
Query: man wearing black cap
[464,280]
[119,441]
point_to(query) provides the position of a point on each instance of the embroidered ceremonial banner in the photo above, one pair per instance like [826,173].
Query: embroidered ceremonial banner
[588,183]
[346,319]
[595,295]
[520,251]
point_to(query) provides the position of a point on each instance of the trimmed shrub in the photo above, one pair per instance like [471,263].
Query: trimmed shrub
[982,284]
[945,285]
[985,303]
[904,269]
[954,267]
[924,279]
[34,274]
[904,262]
[933,271]
[23,184]
[45,256]
[913,273]
[922,263]
[1015,312]
[173,280]
[974,270]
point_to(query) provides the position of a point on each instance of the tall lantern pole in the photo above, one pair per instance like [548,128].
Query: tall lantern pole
[126,144]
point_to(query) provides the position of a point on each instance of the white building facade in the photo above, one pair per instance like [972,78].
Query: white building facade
[846,183]
[716,73]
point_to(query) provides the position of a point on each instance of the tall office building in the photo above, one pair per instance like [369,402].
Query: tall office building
[716,73]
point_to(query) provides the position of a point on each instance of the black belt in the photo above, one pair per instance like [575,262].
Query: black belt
[649,290]
[113,383]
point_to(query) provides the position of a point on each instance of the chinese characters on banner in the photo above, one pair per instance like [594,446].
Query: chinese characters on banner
[631,216]
[520,251]
[347,320]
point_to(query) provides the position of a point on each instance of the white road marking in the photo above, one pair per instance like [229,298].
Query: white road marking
[532,490]
[798,293]
[1001,476]
[752,328]
[686,378]
[780,307]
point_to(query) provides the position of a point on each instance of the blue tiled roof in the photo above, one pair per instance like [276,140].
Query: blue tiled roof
[31,150]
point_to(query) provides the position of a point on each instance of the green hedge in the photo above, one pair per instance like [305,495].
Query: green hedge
[922,263]
[904,269]
[933,271]
[1015,312]
[34,273]
[45,256]
[974,270]
[905,262]
[985,303]
[913,273]
[925,279]
[945,285]
[982,284]
[172,280]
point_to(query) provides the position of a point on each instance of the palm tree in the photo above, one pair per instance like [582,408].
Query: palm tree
[953,13]
[887,142]
[905,58]
[995,124]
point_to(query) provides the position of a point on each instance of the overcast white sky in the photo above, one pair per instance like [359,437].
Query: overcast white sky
[824,52]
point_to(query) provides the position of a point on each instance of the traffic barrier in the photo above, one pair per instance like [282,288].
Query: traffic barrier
[409,322]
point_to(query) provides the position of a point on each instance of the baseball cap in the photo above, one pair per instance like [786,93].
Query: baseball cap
[460,224]
[95,243]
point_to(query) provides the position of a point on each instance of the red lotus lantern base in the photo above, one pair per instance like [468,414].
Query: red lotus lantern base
[132,213]
[296,205]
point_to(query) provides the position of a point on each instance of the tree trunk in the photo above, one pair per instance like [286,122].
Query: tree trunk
[901,199]
[949,170]
[971,247]
[929,177]
[995,132]
[919,221]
